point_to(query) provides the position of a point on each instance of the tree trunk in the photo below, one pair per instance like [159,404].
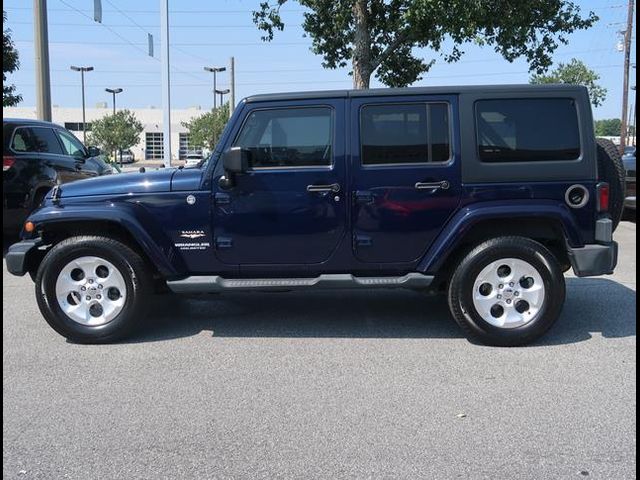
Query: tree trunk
[361,46]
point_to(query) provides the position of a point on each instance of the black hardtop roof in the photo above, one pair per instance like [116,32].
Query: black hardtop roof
[382,92]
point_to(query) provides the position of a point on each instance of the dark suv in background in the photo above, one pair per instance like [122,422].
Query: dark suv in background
[36,156]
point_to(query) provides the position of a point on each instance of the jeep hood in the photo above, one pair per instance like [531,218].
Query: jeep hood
[155,181]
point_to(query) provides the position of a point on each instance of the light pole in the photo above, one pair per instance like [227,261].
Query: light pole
[84,123]
[633,118]
[628,34]
[232,83]
[41,45]
[113,91]
[165,82]
[214,70]
[222,93]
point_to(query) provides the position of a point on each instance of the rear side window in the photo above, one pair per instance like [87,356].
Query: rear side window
[527,130]
[35,139]
[394,134]
[292,137]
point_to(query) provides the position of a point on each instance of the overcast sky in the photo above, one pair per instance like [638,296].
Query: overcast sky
[208,33]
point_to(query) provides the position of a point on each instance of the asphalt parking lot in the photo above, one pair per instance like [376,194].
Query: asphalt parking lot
[332,385]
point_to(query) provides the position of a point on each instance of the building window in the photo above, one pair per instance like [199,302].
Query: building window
[154,146]
[527,130]
[186,148]
[76,126]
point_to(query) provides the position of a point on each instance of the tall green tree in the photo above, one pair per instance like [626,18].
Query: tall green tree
[10,64]
[576,73]
[609,127]
[379,37]
[119,131]
[205,130]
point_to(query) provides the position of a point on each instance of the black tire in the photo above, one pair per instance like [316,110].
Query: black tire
[131,266]
[461,289]
[611,170]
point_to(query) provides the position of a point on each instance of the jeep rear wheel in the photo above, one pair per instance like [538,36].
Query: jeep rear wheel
[507,291]
[92,289]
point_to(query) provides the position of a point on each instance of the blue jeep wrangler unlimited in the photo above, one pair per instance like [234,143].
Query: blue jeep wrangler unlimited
[485,193]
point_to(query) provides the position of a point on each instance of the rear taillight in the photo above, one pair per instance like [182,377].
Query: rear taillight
[603,197]
[7,162]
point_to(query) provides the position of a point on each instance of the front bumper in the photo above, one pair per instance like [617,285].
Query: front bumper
[593,260]
[16,257]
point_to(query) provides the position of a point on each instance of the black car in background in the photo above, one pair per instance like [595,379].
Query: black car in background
[629,160]
[36,156]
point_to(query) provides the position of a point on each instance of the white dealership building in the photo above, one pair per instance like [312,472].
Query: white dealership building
[150,146]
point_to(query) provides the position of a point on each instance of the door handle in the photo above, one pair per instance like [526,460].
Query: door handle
[334,187]
[443,185]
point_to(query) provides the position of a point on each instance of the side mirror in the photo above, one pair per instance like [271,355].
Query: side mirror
[235,160]
[93,151]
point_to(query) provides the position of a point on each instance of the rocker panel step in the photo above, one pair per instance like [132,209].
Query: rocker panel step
[215,283]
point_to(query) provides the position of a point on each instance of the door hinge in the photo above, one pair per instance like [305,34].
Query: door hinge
[224,242]
[362,240]
[364,197]
[222,198]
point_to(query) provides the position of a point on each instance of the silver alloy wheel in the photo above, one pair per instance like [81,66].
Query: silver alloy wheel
[508,293]
[91,291]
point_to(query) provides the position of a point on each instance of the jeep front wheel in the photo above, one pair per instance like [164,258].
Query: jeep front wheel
[507,291]
[92,289]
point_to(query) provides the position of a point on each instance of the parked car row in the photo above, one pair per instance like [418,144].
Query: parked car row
[36,156]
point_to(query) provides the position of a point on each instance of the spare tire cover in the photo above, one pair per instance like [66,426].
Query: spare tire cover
[611,170]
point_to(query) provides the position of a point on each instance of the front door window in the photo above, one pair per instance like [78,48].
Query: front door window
[295,137]
[71,144]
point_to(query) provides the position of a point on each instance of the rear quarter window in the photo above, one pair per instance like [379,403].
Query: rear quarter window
[527,130]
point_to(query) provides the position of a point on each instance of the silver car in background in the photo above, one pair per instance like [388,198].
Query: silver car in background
[192,159]
[126,156]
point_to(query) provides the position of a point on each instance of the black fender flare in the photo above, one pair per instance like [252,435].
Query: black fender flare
[152,240]
[451,237]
